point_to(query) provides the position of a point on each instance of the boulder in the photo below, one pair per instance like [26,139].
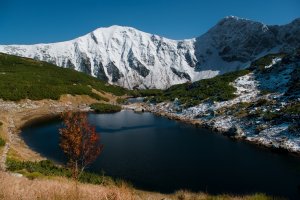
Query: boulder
[236,131]
[139,109]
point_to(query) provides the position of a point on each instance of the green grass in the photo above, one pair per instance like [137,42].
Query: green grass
[105,108]
[32,175]
[22,78]
[46,168]
[2,142]
[190,94]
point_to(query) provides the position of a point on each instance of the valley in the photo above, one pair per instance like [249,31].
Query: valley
[241,79]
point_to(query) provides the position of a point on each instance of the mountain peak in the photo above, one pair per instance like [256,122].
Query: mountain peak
[296,21]
[233,19]
[131,58]
[238,23]
[116,31]
[115,28]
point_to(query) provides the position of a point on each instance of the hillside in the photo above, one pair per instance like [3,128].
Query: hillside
[22,78]
[261,104]
[131,58]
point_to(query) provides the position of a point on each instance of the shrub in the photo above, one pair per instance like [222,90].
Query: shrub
[261,102]
[33,175]
[268,116]
[294,129]
[105,108]
[292,109]
[2,142]
[265,92]
[146,92]
[241,113]
[260,128]
[121,100]
[42,168]
[265,61]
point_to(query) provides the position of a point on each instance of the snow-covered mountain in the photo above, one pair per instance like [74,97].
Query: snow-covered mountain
[134,59]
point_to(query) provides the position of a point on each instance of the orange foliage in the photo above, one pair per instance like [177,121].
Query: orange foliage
[79,141]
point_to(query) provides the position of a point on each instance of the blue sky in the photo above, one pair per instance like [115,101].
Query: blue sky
[42,21]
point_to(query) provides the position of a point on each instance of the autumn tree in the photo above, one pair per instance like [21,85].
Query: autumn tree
[79,141]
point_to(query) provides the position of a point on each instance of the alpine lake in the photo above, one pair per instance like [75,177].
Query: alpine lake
[157,154]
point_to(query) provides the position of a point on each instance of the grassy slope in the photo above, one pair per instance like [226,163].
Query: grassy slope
[45,173]
[61,189]
[216,89]
[22,78]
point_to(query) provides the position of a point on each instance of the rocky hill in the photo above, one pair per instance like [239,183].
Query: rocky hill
[261,104]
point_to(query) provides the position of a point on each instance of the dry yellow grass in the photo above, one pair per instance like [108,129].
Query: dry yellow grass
[20,188]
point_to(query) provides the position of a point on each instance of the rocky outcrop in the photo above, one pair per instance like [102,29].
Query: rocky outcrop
[114,72]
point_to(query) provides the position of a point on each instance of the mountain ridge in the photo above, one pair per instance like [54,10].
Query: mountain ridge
[131,58]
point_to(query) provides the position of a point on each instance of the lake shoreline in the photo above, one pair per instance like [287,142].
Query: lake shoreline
[143,107]
[18,115]
[159,138]
[33,112]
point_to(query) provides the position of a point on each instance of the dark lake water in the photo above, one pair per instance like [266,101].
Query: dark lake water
[158,154]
